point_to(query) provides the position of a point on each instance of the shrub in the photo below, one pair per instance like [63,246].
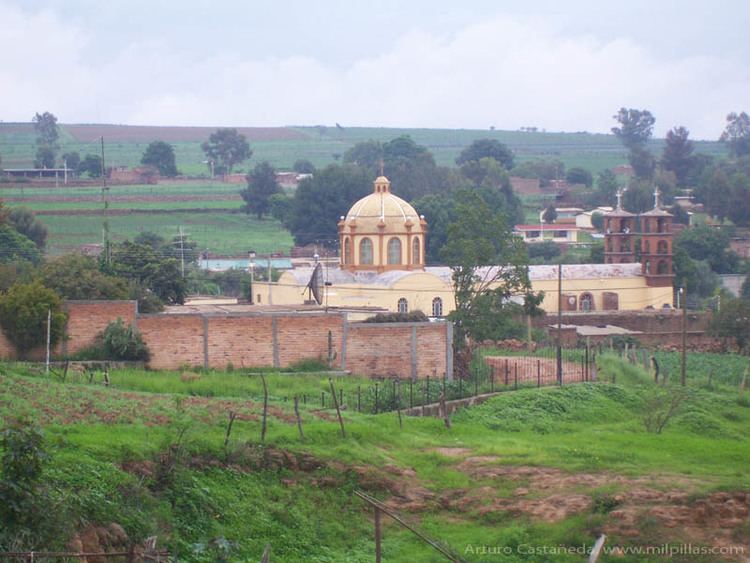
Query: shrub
[23,315]
[122,342]
[412,317]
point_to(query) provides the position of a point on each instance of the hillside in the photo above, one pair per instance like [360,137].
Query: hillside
[531,469]
[281,146]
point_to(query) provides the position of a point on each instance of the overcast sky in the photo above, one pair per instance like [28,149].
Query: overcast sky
[558,65]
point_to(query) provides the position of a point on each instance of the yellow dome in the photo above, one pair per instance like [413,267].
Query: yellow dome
[380,208]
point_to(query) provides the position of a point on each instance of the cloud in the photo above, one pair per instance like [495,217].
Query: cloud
[503,72]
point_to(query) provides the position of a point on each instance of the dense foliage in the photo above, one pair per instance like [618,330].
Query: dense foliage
[160,155]
[23,315]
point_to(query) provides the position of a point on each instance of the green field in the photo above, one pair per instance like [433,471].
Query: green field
[322,146]
[547,467]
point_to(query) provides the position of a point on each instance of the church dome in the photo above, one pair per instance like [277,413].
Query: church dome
[392,227]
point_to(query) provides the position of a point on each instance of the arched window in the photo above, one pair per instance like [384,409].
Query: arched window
[646,226]
[647,247]
[394,251]
[403,305]
[661,248]
[648,266]
[660,224]
[365,251]
[437,307]
[416,251]
[586,302]
[347,250]
[662,267]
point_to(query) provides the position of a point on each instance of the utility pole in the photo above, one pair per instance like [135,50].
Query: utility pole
[683,358]
[49,334]
[105,195]
[182,253]
[559,325]
[270,282]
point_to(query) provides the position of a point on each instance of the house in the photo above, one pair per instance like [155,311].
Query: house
[558,233]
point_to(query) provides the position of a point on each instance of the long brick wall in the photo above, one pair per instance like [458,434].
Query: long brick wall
[265,338]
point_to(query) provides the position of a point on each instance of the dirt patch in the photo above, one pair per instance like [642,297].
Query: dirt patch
[452,452]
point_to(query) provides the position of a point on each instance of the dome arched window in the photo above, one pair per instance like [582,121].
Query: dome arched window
[394,251]
[416,248]
[347,251]
[365,251]
[437,307]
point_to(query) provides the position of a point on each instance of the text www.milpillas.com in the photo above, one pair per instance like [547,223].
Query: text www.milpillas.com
[685,549]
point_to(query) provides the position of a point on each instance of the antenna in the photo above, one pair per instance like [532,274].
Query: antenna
[314,286]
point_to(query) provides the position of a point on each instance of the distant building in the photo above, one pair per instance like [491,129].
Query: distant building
[554,232]
[382,265]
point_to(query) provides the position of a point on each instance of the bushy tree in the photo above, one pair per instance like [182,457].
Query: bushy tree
[47,135]
[578,175]
[488,264]
[72,160]
[16,247]
[161,156]
[486,148]
[636,127]
[227,148]
[23,315]
[320,201]
[706,243]
[550,214]
[439,211]
[124,342]
[23,220]
[91,165]
[733,323]
[303,166]
[737,134]
[542,252]
[74,276]
[44,158]
[697,274]
[544,169]
[677,156]
[261,185]
[150,270]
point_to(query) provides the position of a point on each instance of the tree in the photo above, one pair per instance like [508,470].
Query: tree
[639,196]
[160,155]
[281,207]
[606,186]
[23,220]
[677,156]
[488,264]
[147,268]
[72,160]
[737,134]
[578,175]
[733,322]
[74,276]
[319,201]
[643,162]
[486,148]
[697,274]
[302,166]
[439,211]
[261,185]
[91,165]
[550,214]
[44,158]
[543,251]
[545,170]
[706,243]
[226,147]
[367,154]
[16,247]
[636,127]
[23,316]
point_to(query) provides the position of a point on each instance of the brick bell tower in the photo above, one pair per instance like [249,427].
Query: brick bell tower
[656,245]
[619,235]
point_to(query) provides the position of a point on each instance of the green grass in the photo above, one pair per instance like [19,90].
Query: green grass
[232,500]
[217,232]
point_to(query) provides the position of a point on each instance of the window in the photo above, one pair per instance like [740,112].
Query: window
[661,248]
[403,305]
[437,307]
[347,251]
[416,251]
[394,251]
[365,251]
[561,234]
[533,234]
[586,302]
[647,247]
[662,268]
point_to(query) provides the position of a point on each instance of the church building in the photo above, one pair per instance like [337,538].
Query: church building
[381,264]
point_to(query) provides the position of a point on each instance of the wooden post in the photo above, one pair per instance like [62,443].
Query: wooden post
[266,557]
[655,363]
[743,383]
[515,375]
[597,549]
[683,355]
[427,390]
[492,378]
[299,418]
[49,335]
[539,373]
[506,372]
[378,555]
[398,406]
[443,411]
[411,393]
[265,409]
[232,416]
[322,399]
[338,411]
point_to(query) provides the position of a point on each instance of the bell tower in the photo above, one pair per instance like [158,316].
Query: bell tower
[619,235]
[656,245]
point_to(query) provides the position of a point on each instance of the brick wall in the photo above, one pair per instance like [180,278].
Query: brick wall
[86,319]
[259,339]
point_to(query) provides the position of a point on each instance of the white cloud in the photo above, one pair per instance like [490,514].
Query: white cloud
[500,72]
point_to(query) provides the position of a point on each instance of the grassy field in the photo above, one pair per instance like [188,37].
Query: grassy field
[283,146]
[547,468]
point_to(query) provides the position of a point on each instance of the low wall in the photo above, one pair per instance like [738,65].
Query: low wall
[265,338]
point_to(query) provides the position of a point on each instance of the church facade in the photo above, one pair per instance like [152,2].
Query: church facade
[381,264]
